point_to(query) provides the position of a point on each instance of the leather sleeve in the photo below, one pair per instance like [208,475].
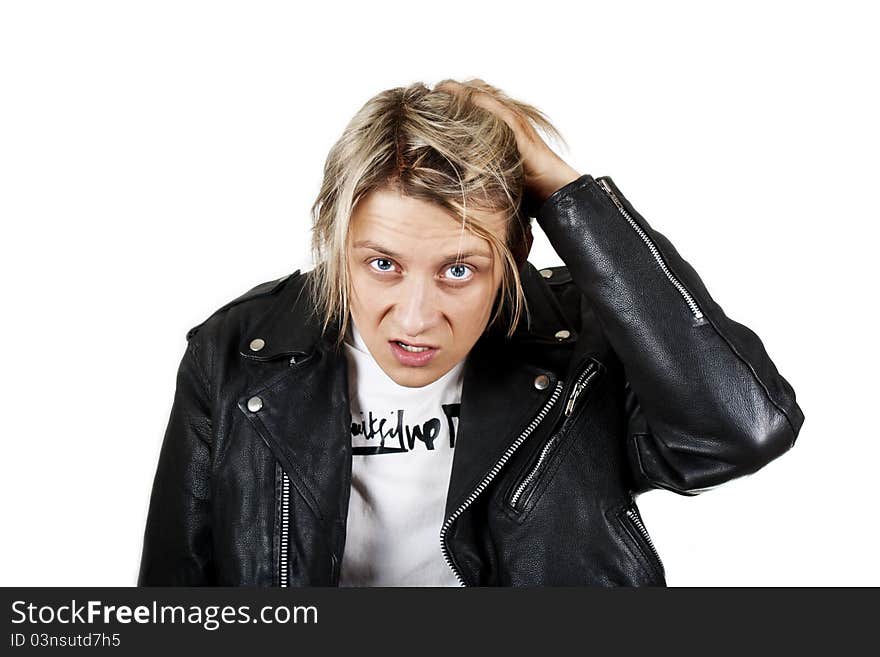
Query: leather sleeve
[177,539]
[704,402]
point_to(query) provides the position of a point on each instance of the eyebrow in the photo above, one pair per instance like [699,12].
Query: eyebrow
[367,244]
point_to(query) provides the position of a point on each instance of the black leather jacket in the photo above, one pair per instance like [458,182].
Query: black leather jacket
[628,377]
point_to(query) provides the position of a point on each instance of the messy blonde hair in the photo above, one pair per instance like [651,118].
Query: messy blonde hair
[434,146]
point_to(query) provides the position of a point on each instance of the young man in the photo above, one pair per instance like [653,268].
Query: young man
[424,407]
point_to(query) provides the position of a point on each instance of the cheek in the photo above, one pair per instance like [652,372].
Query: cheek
[364,291]
[472,307]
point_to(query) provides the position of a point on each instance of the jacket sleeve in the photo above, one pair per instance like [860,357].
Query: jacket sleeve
[704,402]
[177,539]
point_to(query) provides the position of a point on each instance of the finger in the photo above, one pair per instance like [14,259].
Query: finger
[523,130]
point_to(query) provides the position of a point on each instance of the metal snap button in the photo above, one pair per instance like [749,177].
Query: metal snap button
[542,381]
[563,334]
[546,273]
[254,404]
[257,344]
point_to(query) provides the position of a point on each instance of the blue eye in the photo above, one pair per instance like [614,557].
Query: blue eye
[383,261]
[460,272]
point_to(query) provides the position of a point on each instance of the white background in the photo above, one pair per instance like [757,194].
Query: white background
[157,159]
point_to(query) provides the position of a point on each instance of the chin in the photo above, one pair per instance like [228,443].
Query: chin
[413,377]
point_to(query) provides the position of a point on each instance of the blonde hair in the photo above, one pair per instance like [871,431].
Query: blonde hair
[434,146]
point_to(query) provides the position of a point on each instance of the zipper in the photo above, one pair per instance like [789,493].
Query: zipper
[582,382]
[489,477]
[636,519]
[695,309]
[284,541]
[284,572]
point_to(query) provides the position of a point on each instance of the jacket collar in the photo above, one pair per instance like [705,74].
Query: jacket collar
[291,327]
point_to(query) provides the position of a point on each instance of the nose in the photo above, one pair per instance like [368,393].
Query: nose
[417,308]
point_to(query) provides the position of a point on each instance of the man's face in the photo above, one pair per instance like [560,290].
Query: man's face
[409,285]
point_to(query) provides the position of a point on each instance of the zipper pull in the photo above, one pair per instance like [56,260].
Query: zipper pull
[578,388]
[571,399]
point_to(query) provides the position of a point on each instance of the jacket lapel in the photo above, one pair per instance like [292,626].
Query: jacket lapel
[499,400]
[302,414]
[303,418]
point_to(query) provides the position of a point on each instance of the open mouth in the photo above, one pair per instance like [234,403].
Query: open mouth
[414,355]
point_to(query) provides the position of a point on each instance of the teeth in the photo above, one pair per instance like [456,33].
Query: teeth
[413,349]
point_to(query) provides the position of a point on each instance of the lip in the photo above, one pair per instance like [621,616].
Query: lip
[411,359]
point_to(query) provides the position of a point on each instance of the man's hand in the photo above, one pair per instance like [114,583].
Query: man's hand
[545,171]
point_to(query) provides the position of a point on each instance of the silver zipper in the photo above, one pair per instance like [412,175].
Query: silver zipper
[695,309]
[525,482]
[283,575]
[284,572]
[582,382]
[579,386]
[637,521]
[489,477]
[284,541]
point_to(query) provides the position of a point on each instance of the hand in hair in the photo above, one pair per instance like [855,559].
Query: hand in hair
[544,170]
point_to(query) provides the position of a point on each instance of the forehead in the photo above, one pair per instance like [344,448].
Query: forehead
[404,219]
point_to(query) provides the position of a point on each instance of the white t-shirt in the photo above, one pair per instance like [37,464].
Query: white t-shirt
[402,442]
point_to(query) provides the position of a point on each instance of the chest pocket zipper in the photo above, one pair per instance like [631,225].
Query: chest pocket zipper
[521,491]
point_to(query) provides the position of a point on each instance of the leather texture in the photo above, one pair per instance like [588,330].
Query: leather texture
[652,387]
